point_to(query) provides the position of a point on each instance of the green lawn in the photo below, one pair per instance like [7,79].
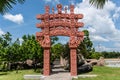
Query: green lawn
[104,73]
[12,75]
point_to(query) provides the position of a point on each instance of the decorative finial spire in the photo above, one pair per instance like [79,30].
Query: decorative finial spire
[71,8]
[47,9]
[65,9]
[59,7]
[53,10]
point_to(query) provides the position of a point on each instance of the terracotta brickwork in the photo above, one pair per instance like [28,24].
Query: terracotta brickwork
[59,24]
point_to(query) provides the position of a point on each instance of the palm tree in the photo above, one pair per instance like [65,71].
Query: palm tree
[6,5]
[98,3]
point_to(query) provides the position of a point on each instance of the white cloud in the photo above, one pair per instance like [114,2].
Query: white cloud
[1,31]
[63,39]
[18,18]
[101,48]
[99,38]
[52,1]
[91,30]
[116,15]
[48,0]
[117,44]
[21,40]
[100,22]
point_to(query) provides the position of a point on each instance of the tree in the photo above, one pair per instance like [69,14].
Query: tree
[66,51]
[6,39]
[98,3]
[54,39]
[61,50]
[111,54]
[57,50]
[5,42]
[13,52]
[85,48]
[6,5]
[31,49]
[96,55]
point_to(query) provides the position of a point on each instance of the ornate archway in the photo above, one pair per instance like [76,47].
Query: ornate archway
[54,24]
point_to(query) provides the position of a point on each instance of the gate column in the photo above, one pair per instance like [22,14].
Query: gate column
[46,45]
[73,62]
[46,62]
[73,55]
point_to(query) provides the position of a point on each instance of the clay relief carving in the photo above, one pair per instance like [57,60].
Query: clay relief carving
[61,23]
[73,42]
[46,41]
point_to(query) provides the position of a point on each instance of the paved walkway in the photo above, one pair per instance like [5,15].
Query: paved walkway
[58,73]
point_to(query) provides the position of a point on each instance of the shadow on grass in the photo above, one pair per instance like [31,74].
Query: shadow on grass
[3,73]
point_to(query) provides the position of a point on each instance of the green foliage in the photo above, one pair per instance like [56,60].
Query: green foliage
[66,51]
[56,51]
[110,54]
[95,55]
[28,49]
[86,46]
[5,41]
[98,3]
[53,39]
[6,5]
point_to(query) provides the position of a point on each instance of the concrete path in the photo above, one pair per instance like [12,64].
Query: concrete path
[58,73]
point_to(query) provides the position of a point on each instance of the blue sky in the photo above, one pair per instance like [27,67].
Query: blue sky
[103,25]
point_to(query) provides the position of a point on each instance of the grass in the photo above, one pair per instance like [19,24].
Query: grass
[12,75]
[104,73]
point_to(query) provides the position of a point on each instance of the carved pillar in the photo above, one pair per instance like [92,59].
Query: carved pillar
[73,56]
[73,62]
[46,62]
[46,45]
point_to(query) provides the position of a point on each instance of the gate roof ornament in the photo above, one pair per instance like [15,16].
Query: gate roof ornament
[63,24]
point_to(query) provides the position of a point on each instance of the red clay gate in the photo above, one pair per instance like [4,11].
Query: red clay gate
[59,24]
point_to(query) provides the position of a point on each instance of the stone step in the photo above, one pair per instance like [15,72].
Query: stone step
[34,77]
